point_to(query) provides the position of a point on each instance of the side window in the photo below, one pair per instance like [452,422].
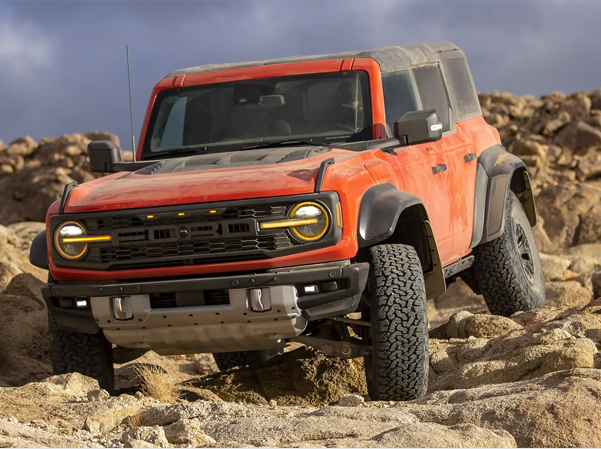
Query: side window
[433,92]
[462,86]
[398,96]
[174,128]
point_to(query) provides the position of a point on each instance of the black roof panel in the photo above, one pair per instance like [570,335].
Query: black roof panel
[389,58]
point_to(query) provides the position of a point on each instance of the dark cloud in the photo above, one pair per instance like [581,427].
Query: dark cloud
[62,64]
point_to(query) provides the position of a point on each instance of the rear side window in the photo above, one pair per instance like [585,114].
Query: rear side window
[398,96]
[462,86]
[433,92]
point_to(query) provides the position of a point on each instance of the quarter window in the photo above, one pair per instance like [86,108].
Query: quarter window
[462,86]
[398,96]
[433,92]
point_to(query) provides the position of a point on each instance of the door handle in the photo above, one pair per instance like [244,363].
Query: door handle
[470,157]
[439,168]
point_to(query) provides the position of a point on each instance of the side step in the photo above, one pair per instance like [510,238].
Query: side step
[458,267]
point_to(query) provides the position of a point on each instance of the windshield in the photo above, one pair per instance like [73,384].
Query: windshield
[327,107]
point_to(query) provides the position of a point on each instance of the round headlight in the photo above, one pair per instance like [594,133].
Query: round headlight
[317,213]
[65,240]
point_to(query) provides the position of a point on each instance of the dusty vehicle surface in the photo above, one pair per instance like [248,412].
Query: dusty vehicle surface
[316,199]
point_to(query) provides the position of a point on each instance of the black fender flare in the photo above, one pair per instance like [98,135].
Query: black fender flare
[38,253]
[389,215]
[497,173]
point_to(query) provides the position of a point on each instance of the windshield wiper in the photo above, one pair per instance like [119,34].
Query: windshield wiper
[278,143]
[178,150]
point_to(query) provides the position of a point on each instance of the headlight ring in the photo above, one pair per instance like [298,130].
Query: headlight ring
[309,210]
[66,241]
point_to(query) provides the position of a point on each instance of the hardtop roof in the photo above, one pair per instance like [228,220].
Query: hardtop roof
[389,58]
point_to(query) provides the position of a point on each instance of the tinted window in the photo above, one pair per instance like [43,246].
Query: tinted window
[462,86]
[398,96]
[333,107]
[433,92]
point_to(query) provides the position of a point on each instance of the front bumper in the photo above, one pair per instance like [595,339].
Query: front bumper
[230,326]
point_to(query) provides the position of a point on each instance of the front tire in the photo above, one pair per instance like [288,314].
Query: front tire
[88,354]
[227,360]
[508,269]
[397,368]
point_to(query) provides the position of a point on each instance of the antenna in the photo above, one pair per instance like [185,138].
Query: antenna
[131,109]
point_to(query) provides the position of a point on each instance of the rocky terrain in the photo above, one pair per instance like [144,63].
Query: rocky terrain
[530,380]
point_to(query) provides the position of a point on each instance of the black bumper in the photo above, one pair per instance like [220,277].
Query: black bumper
[351,280]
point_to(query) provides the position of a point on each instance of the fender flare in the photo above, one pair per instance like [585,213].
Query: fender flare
[38,253]
[389,215]
[499,172]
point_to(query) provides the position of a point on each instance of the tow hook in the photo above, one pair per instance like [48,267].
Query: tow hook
[344,349]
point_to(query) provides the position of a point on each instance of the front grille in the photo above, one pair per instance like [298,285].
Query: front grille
[278,240]
[229,213]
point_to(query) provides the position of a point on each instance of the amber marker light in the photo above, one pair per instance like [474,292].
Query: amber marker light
[181,214]
[212,211]
[288,223]
[149,216]
[338,215]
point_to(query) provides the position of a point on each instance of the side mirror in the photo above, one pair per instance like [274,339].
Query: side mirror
[418,127]
[103,155]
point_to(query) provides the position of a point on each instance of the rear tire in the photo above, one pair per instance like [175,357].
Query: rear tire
[508,268]
[397,369]
[88,354]
[227,360]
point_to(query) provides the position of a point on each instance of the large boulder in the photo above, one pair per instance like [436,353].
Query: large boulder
[33,176]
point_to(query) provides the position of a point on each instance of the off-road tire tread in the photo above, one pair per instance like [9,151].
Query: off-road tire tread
[227,360]
[400,361]
[88,354]
[498,272]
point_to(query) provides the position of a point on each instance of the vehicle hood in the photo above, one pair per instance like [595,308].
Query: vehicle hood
[207,178]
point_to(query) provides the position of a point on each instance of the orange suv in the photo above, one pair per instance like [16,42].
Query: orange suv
[319,199]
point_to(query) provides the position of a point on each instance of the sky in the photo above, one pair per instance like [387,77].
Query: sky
[63,65]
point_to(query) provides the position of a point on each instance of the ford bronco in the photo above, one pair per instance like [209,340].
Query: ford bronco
[319,200]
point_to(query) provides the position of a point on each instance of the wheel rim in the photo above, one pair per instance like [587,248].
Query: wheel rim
[524,251]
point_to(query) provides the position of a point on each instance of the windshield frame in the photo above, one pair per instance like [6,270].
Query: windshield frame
[302,69]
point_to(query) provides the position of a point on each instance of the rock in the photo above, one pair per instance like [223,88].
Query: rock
[543,341]
[582,265]
[289,379]
[559,409]
[74,384]
[98,395]
[465,325]
[188,432]
[22,147]
[33,176]
[351,400]
[589,166]
[436,435]
[590,226]
[26,284]
[92,426]
[133,443]
[579,137]
[596,283]
[153,435]
[531,148]
[458,297]
[555,268]
[569,293]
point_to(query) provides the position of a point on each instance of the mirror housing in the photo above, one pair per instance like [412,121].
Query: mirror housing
[103,155]
[418,127]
